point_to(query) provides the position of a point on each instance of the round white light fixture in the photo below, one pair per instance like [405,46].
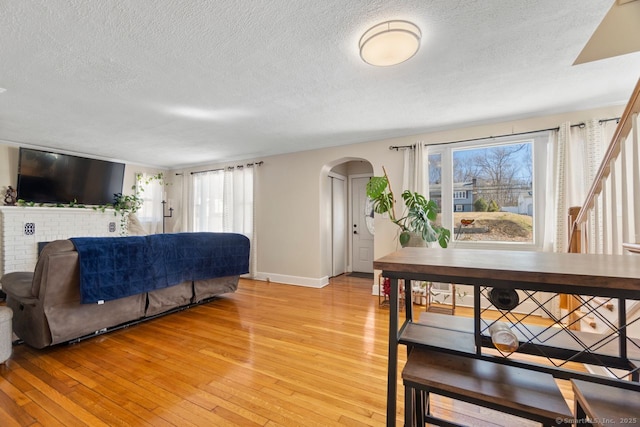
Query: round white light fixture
[390,43]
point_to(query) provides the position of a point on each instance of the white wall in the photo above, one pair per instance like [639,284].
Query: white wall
[8,167]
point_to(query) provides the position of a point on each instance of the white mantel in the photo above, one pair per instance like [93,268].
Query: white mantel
[21,228]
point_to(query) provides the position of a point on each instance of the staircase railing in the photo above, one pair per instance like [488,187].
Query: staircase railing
[612,205]
[609,220]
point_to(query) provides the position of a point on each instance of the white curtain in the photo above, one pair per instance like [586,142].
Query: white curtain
[415,168]
[577,156]
[550,202]
[223,201]
[150,214]
[414,178]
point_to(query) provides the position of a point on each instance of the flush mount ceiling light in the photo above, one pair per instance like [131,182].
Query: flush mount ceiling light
[390,43]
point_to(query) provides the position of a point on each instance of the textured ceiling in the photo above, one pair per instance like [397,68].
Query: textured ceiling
[173,83]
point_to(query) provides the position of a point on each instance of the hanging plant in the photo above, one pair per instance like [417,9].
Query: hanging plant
[127,204]
[124,205]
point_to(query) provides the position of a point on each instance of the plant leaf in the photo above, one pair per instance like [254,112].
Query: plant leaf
[376,186]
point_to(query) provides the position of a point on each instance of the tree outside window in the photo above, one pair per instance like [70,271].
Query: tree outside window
[488,190]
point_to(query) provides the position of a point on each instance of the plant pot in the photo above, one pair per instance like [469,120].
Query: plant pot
[415,241]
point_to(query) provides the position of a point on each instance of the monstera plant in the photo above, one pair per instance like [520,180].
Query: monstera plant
[418,217]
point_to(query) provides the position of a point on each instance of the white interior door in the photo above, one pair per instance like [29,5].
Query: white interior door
[338,226]
[361,234]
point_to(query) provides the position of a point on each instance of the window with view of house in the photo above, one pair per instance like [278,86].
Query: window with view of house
[486,189]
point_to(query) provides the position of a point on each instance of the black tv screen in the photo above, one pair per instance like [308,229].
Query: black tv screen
[46,177]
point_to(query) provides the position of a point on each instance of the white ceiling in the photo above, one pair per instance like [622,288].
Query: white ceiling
[113,78]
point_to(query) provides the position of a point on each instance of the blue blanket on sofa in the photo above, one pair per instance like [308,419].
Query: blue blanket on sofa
[116,267]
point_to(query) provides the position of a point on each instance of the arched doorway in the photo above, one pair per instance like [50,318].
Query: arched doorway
[348,234]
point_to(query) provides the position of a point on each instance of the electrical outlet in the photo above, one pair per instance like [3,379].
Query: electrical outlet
[29,228]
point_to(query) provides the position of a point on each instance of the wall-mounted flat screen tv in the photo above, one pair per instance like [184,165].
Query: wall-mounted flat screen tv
[47,177]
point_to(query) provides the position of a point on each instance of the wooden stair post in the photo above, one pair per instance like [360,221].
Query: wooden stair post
[570,302]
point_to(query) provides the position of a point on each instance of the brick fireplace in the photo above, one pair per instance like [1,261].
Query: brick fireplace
[22,228]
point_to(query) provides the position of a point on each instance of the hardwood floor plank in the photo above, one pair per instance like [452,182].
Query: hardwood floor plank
[118,388]
[9,419]
[13,412]
[105,409]
[281,411]
[68,374]
[41,415]
[330,410]
[236,418]
[13,392]
[63,414]
[181,411]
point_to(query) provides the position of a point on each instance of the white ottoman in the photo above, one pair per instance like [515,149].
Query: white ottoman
[6,333]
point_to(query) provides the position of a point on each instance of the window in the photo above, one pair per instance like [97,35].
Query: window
[459,195]
[487,188]
[151,189]
[223,201]
[208,190]
[435,185]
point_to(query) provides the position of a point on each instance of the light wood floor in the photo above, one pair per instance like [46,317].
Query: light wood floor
[267,355]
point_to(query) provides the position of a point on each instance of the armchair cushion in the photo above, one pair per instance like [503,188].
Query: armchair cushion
[18,284]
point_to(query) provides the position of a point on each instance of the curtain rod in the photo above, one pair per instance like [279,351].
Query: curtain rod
[249,165]
[581,125]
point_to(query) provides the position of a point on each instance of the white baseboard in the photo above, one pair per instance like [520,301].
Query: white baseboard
[307,282]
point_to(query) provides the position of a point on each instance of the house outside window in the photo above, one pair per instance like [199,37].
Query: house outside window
[486,189]
[459,195]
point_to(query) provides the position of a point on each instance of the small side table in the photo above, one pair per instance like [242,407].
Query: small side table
[440,306]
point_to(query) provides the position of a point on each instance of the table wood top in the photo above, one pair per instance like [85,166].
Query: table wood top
[599,272]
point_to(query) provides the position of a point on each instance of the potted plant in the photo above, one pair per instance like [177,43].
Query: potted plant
[418,218]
